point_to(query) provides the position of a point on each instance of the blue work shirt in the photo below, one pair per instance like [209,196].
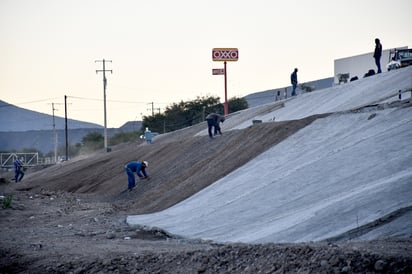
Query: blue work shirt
[137,167]
[17,165]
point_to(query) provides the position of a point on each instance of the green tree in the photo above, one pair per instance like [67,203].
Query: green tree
[73,150]
[185,114]
[182,114]
[124,137]
[156,123]
[236,104]
[93,141]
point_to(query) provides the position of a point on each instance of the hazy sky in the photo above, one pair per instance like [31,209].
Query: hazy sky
[161,50]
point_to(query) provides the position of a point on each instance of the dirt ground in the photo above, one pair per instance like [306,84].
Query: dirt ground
[70,218]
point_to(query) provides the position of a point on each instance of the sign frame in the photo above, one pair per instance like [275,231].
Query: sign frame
[225,54]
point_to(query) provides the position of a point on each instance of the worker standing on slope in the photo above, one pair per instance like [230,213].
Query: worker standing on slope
[377,54]
[294,81]
[18,170]
[213,120]
[148,135]
[139,168]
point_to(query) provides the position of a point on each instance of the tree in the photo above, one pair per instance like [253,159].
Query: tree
[93,141]
[73,150]
[236,104]
[185,114]
[123,137]
[180,115]
[156,123]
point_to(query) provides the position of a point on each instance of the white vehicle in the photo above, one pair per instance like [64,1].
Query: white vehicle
[399,58]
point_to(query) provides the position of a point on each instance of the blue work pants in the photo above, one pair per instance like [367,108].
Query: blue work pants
[131,178]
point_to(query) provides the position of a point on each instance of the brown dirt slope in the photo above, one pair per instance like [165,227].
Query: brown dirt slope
[180,165]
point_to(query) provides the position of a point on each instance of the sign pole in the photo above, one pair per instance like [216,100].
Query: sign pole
[225,54]
[226,105]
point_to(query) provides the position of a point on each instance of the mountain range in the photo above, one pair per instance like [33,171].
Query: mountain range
[23,129]
[14,118]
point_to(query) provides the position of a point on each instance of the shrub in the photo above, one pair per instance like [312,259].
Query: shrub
[7,201]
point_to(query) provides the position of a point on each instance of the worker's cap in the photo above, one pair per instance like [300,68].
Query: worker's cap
[146,163]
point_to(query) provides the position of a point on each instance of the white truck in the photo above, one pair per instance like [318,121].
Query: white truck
[399,58]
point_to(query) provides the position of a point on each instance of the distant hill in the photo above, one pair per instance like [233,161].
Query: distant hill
[13,118]
[22,128]
[131,126]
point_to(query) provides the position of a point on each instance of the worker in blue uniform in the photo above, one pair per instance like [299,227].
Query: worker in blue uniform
[136,167]
[18,170]
[213,121]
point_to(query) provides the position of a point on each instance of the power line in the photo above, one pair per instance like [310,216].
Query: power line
[83,98]
[30,102]
[113,101]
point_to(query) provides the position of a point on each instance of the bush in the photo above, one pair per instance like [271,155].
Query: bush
[7,201]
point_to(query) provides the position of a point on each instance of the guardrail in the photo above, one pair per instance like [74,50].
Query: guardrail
[29,159]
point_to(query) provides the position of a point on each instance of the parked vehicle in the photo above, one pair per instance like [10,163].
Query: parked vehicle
[399,58]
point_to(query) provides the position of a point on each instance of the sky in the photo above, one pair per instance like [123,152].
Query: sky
[161,50]
[337,174]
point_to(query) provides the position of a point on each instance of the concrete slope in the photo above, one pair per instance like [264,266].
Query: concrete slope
[355,94]
[339,173]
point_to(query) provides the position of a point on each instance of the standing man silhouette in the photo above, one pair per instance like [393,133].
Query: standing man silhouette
[294,81]
[378,54]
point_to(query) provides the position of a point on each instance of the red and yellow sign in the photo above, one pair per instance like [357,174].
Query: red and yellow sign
[225,54]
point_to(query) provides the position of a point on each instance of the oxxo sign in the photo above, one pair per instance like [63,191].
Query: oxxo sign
[225,54]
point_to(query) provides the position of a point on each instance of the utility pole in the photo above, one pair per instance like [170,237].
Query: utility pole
[153,108]
[104,97]
[54,132]
[65,128]
[54,135]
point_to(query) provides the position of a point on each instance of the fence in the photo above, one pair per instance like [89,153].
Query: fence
[29,159]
